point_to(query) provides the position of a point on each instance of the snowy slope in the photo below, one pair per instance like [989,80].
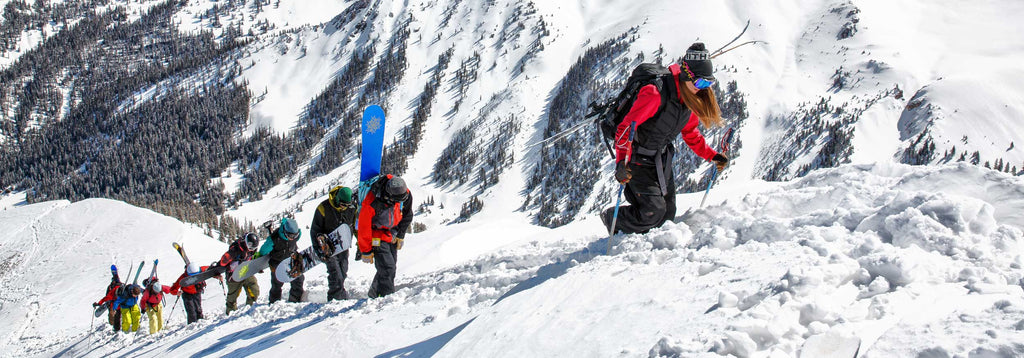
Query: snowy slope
[56,263]
[913,261]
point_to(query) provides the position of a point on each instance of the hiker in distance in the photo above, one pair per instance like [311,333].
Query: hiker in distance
[681,100]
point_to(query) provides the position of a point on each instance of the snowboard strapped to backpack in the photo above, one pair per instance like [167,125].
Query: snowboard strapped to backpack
[611,113]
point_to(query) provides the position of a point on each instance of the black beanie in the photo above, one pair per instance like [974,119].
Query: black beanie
[698,60]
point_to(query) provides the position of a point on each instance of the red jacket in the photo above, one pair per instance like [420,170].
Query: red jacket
[176,289]
[645,107]
[111,295]
[399,215]
[151,299]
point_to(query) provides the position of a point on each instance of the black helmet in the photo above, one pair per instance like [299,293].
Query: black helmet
[396,189]
[251,241]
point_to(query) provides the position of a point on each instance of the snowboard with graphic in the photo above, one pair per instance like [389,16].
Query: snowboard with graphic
[249,268]
[292,267]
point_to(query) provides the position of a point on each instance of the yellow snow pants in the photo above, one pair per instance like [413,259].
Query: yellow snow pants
[130,317]
[156,318]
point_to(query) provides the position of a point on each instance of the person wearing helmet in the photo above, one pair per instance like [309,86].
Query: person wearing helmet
[191,296]
[128,302]
[242,250]
[281,244]
[152,303]
[384,217]
[659,114]
[337,210]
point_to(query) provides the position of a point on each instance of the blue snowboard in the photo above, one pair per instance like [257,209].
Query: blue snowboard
[373,142]
[373,148]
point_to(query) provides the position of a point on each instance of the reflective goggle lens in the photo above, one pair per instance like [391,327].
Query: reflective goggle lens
[701,83]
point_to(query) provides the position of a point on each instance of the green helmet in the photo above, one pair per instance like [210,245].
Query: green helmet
[340,196]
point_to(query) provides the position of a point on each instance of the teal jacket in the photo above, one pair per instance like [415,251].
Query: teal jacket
[278,247]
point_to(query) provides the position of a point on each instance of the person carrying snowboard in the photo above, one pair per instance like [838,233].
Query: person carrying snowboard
[683,100]
[191,296]
[281,244]
[241,250]
[113,314]
[384,217]
[337,210]
[153,303]
[128,302]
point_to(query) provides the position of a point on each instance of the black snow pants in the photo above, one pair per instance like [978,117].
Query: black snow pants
[193,306]
[385,259]
[294,294]
[651,194]
[337,271]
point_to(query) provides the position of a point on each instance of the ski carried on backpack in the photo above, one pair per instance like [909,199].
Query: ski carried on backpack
[138,272]
[152,273]
[184,257]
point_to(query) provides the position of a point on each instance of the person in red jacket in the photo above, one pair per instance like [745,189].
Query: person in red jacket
[644,163]
[113,315]
[191,296]
[152,304]
[384,217]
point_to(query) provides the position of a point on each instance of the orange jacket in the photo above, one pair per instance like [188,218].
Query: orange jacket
[382,221]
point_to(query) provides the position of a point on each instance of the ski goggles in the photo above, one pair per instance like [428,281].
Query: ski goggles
[702,83]
[292,236]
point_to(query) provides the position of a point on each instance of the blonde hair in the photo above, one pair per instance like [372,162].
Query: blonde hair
[704,105]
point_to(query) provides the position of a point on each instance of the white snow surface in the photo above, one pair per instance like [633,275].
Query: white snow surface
[909,260]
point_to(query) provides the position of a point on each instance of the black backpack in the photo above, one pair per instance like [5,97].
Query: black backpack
[611,113]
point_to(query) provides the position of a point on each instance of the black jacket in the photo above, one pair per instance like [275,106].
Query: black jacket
[328,218]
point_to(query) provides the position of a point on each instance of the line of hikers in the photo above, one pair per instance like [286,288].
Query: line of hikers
[384,217]
[663,103]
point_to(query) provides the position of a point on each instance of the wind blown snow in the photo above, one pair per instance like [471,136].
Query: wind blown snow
[910,261]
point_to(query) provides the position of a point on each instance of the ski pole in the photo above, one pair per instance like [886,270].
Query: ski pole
[618,198]
[173,307]
[726,140]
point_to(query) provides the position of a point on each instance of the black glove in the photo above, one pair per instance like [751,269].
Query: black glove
[721,160]
[359,255]
[622,172]
[95,305]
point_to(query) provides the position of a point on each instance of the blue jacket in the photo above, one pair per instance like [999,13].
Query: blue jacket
[125,298]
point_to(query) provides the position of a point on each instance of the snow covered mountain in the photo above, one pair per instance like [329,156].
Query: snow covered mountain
[217,112]
[468,87]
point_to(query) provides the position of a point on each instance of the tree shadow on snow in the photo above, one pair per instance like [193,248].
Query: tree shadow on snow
[428,347]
